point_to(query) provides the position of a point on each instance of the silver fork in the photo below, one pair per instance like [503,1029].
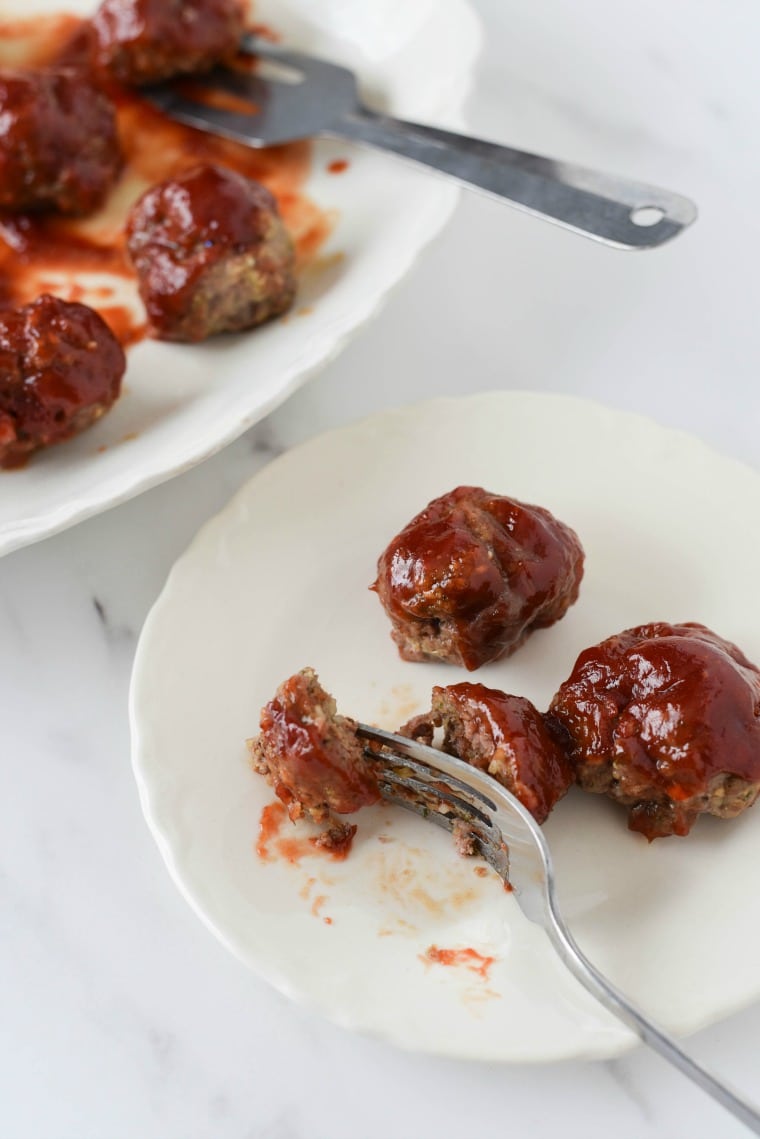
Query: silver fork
[452,794]
[291,96]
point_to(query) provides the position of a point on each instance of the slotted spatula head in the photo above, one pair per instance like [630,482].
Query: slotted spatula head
[284,97]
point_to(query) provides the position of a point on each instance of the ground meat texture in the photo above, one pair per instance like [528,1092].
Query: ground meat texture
[473,574]
[145,41]
[211,254]
[59,148]
[310,754]
[505,736]
[60,370]
[665,719]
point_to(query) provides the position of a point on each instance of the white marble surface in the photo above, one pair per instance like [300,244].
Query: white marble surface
[120,1016]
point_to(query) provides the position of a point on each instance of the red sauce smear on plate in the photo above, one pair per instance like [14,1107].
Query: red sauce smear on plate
[41,253]
[317,904]
[271,843]
[337,166]
[470,958]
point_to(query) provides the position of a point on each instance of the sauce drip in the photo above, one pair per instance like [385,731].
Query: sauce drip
[272,844]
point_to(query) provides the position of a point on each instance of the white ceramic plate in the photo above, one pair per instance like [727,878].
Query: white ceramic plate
[183,403]
[279,580]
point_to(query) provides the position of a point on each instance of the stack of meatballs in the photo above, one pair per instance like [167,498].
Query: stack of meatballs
[662,718]
[209,249]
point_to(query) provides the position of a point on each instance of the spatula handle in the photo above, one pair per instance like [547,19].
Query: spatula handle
[616,211]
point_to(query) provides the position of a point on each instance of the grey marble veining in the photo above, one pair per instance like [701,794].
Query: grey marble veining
[120,1016]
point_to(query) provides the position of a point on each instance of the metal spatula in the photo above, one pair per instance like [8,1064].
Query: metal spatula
[291,96]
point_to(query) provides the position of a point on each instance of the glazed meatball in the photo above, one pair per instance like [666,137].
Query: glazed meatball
[60,370]
[665,719]
[58,144]
[473,574]
[211,254]
[312,756]
[145,41]
[505,736]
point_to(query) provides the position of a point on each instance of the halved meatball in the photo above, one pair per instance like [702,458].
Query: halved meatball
[312,756]
[60,370]
[665,719]
[145,41]
[505,736]
[59,148]
[473,574]
[211,254]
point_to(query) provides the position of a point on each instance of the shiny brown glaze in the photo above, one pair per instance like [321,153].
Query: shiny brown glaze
[211,254]
[473,574]
[310,754]
[60,369]
[145,41]
[58,142]
[666,720]
[504,735]
[41,252]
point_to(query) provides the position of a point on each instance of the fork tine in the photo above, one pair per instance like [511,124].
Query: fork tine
[441,798]
[420,759]
[461,807]
[510,824]
[433,780]
[492,849]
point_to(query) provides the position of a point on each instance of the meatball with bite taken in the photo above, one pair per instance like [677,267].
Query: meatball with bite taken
[60,370]
[665,719]
[472,575]
[145,41]
[505,736]
[313,757]
[59,148]
[211,254]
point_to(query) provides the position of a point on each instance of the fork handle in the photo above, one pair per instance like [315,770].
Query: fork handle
[598,205]
[615,1002]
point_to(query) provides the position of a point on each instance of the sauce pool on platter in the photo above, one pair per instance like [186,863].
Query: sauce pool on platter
[36,248]
[46,64]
